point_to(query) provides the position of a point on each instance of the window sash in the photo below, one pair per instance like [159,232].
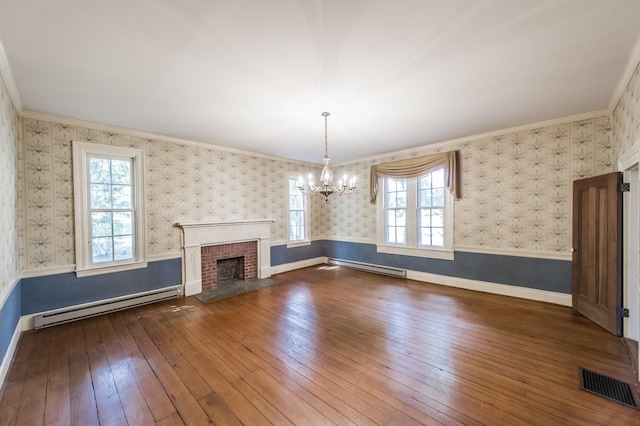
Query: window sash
[426,222]
[298,217]
[109,208]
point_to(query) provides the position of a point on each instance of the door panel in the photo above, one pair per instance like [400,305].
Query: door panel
[597,250]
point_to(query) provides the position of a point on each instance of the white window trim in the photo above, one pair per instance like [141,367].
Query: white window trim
[412,249]
[81,151]
[307,229]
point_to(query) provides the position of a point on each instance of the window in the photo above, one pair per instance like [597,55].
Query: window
[298,218]
[416,216]
[109,208]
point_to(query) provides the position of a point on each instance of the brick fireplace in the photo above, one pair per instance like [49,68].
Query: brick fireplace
[231,235]
[211,256]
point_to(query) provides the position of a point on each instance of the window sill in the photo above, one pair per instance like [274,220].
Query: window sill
[406,251]
[109,269]
[298,244]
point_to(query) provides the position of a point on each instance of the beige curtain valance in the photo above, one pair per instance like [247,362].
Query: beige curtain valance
[414,167]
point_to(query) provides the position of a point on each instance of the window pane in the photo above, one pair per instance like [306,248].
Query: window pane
[438,178]
[296,202]
[425,182]
[101,224]
[122,247]
[122,223]
[390,234]
[437,237]
[425,198]
[295,218]
[121,196]
[401,235]
[425,237]
[99,170]
[401,218]
[438,197]
[401,200]
[102,249]
[100,196]
[391,218]
[121,172]
[437,218]
[425,217]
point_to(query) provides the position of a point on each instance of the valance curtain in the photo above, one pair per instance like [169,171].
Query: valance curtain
[414,167]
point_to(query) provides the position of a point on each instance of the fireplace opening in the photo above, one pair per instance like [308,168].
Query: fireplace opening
[230,270]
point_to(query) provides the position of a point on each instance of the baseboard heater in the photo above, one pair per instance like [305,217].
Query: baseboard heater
[65,315]
[368,267]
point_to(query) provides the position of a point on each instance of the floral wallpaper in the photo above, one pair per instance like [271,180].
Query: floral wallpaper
[626,116]
[9,163]
[182,183]
[516,187]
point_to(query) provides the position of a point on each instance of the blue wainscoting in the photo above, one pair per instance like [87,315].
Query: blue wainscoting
[535,273]
[281,255]
[50,292]
[9,318]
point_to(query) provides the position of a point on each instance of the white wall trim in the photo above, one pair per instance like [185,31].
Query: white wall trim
[481,250]
[7,76]
[63,269]
[494,288]
[286,267]
[349,240]
[164,256]
[630,157]
[531,254]
[55,270]
[446,144]
[7,291]
[146,135]
[8,356]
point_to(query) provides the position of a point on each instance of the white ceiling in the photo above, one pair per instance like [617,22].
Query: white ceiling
[256,74]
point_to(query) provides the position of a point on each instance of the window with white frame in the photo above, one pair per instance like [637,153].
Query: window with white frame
[109,207]
[415,216]
[298,217]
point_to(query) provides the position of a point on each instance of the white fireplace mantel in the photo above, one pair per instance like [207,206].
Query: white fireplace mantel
[198,234]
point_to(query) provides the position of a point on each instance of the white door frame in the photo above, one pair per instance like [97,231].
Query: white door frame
[628,163]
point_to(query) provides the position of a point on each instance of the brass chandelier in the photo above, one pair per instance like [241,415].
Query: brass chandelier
[326,186]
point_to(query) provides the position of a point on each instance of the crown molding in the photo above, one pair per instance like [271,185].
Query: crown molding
[153,136]
[630,157]
[7,76]
[516,129]
[623,83]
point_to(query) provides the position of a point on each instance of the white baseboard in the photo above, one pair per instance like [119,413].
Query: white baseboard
[8,356]
[286,267]
[488,287]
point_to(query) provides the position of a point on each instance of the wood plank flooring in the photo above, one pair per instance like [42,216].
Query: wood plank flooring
[325,346]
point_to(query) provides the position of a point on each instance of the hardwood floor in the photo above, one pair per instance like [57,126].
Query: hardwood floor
[325,346]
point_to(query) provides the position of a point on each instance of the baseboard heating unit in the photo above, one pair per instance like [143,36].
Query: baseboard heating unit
[368,267]
[61,316]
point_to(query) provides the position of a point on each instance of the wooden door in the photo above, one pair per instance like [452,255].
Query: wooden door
[597,250]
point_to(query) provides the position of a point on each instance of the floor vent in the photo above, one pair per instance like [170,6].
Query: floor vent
[61,316]
[368,267]
[607,387]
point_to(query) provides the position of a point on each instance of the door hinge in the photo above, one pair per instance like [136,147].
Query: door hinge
[624,187]
[622,312]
